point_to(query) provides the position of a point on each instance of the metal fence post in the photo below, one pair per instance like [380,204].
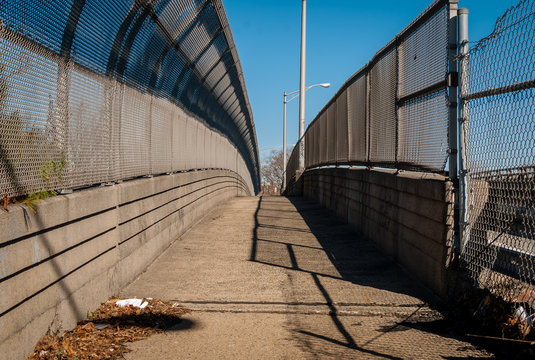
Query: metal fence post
[368,116]
[452,80]
[463,118]
[396,105]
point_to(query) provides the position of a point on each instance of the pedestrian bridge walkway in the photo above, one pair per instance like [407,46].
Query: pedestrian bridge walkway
[277,278]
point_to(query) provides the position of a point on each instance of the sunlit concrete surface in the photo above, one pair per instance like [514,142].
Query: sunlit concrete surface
[276,278]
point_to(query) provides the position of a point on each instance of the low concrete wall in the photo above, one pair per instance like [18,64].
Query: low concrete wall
[408,215]
[79,249]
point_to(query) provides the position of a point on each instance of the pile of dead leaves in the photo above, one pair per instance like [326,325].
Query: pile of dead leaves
[106,332]
[504,328]
[489,314]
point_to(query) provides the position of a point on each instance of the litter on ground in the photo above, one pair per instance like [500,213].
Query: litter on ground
[107,330]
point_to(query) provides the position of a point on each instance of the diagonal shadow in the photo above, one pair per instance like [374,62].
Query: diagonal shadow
[349,341]
[277,217]
[283,243]
[355,259]
[254,245]
[284,228]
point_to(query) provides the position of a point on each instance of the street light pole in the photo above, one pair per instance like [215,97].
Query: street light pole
[284,145]
[302,90]
[324,85]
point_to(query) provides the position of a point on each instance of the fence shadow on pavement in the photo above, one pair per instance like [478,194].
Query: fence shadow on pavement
[285,229]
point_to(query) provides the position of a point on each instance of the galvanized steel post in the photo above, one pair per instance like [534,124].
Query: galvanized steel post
[452,99]
[302,90]
[463,122]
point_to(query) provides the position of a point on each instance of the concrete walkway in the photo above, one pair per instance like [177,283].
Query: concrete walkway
[278,278]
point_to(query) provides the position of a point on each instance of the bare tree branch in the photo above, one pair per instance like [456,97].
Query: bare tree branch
[273,170]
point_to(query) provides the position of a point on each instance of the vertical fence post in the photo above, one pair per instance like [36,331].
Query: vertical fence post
[396,106]
[367,115]
[463,118]
[452,99]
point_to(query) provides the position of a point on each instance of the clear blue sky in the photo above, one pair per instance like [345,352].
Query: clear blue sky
[342,35]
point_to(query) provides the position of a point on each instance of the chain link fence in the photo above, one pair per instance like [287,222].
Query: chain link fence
[394,112]
[98,91]
[498,119]
[397,112]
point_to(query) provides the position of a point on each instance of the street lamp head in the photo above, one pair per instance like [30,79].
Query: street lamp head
[325,85]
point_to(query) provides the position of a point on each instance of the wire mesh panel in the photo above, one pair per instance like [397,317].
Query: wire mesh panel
[214,149]
[423,65]
[226,154]
[395,111]
[135,134]
[30,120]
[314,149]
[293,163]
[356,110]
[383,109]
[191,145]
[499,107]
[90,48]
[211,149]
[423,59]
[178,126]
[161,141]
[88,158]
[316,143]
[220,153]
[207,149]
[423,133]
[308,150]
[115,131]
[200,150]
[331,133]
[342,137]
[231,156]
[324,138]
[45,21]
[92,91]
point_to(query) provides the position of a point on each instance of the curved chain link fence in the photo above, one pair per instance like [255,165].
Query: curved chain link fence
[96,91]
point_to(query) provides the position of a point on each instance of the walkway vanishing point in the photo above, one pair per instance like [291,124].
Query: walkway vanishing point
[279,278]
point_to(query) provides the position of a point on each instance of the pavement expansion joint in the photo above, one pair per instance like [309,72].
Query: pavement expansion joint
[299,303]
[311,308]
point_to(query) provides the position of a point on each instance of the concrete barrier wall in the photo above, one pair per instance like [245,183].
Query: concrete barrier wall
[408,215]
[79,249]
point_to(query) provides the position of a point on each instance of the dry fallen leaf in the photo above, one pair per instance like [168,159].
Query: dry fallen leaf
[6,203]
[93,340]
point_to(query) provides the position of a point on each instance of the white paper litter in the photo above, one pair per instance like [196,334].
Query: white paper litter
[101,326]
[522,314]
[132,302]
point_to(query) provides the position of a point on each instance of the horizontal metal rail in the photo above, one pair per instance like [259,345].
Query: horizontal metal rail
[500,90]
